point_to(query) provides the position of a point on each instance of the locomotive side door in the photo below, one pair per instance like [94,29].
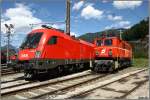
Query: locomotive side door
[81,51]
[81,56]
[53,48]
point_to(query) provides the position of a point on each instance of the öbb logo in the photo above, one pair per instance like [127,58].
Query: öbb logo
[103,51]
[24,55]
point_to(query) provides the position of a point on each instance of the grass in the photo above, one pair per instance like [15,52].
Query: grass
[140,62]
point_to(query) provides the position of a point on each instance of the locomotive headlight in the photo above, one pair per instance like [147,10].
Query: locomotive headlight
[110,52]
[96,52]
[37,54]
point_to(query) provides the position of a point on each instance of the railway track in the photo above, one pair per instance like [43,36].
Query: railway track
[118,87]
[14,83]
[8,71]
[60,87]
[38,89]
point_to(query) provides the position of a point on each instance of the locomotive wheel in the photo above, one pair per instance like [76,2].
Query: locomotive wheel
[112,68]
[60,69]
[86,66]
[28,76]
[71,68]
[96,68]
[104,68]
[130,63]
[92,69]
[81,66]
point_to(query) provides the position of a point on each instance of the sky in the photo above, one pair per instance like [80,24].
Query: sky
[87,16]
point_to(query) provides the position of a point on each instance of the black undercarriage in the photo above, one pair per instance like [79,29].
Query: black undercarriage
[110,64]
[36,67]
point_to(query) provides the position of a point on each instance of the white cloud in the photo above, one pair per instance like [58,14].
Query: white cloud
[114,18]
[90,12]
[105,1]
[21,16]
[78,5]
[126,4]
[127,27]
[121,24]
[73,33]
[59,26]
[107,27]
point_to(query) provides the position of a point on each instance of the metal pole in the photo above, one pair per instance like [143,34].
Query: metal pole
[68,17]
[8,32]
[8,43]
[120,34]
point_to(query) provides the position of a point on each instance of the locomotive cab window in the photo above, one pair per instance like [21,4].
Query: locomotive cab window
[99,42]
[52,40]
[108,42]
[32,40]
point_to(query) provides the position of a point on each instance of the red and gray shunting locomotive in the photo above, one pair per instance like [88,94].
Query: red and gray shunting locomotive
[49,48]
[111,53]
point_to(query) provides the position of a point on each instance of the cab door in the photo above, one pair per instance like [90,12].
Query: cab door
[51,47]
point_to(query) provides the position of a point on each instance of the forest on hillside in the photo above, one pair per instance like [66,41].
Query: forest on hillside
[137,36]
[137,31]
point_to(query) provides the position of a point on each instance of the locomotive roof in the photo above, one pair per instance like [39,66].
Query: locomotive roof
[59,33]
[108,38]
[114,38]
[84,42]
[52,32]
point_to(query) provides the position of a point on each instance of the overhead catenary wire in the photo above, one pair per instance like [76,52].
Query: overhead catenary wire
[45,23]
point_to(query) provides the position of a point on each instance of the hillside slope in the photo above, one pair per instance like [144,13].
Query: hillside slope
[136,32]
[91,36]
[137,36]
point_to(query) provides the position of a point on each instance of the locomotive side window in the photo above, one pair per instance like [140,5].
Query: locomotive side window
[124,46]
[108,42]
[127,47]
[52,40]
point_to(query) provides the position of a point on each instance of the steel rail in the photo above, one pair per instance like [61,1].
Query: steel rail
[87,89]
[12,90]
[70,86]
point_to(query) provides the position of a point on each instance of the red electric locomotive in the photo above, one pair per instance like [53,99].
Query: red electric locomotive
[111,53]
[50,48]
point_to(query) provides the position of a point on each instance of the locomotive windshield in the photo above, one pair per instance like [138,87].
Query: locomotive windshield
[32,40]
[99,42]
[104,42]
[108,42]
